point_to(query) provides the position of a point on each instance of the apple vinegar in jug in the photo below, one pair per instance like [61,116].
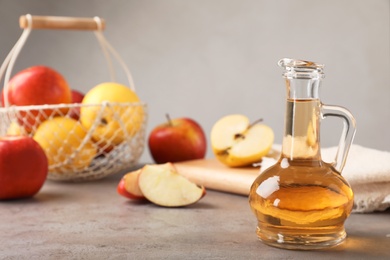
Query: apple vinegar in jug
[301,202]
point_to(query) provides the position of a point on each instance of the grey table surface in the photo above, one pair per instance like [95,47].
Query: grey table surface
[90,220]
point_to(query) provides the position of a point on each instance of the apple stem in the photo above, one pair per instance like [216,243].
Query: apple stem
[169,119]
[255,122]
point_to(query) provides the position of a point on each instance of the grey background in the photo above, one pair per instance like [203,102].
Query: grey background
[208,58]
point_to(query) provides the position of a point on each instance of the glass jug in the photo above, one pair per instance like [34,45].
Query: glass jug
[302,202]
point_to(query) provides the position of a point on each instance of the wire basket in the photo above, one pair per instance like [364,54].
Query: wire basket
[76,152]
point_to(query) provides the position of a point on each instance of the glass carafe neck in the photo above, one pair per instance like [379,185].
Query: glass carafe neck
[301,138]
[303,78]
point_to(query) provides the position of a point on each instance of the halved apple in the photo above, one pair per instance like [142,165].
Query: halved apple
[128,185]
[236,142]
[166,187]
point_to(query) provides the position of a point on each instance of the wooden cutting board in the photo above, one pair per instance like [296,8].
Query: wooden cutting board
[216,176]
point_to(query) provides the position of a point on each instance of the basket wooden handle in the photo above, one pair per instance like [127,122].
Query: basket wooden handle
[61,22]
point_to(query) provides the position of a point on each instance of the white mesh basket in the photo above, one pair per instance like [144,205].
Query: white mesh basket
[76,153]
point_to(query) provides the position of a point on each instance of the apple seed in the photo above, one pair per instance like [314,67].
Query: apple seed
[103,121]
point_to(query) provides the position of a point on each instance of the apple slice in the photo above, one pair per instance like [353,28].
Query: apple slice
[128,185]
[236,142]
[166,187]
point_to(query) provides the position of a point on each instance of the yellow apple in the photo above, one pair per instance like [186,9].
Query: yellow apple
[112,112]
[236,142]
[62,139]
[16,129]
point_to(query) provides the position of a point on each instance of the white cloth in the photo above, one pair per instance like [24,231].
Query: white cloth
[366,170]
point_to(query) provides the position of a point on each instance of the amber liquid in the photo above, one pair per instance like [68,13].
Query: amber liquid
[301,202]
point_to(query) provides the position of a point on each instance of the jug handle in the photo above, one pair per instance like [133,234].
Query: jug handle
[348,133]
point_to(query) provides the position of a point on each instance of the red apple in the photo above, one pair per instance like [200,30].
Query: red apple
[23,167]
[2,98]
[77,98]
[177,140]
[37,85]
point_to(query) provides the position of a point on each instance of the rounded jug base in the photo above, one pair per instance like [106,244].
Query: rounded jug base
[301,238]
